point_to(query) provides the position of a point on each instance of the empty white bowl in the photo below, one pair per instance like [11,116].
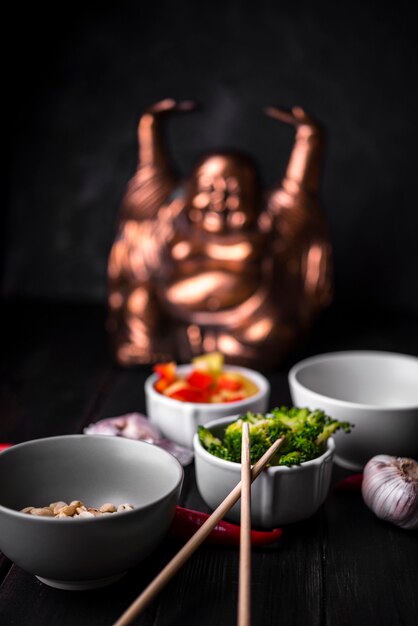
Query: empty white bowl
[279,495]
[89,552]
[179,420]
[376,391]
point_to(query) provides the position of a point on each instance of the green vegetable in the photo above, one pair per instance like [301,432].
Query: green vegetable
[305,433]
[213,444]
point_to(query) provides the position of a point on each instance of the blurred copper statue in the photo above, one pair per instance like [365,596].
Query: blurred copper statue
[214,263]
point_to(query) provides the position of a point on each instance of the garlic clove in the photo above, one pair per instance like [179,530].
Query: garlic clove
[390,489]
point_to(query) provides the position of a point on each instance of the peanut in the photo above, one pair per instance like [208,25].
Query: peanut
[108,508]
[84,513]
[125,507]
[45,511]
[56,506]
[67,510]
[76,508]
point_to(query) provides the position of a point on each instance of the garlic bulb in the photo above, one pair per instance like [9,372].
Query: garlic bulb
[390,489]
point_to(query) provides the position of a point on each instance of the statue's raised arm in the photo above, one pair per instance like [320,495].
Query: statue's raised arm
[145,226]
[298,219]
[305,162]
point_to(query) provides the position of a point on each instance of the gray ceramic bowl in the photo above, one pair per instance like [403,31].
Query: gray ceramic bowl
[374,390]
[280,495]
[90,552]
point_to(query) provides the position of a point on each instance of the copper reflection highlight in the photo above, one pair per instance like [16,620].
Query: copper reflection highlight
[235,252]
[214,262]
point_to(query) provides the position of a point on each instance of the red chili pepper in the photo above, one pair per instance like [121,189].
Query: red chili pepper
[187,521]
[351,483]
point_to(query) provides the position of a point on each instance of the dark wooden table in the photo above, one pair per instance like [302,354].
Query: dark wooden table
[341,567]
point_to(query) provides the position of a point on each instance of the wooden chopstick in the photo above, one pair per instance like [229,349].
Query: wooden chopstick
[194,542]
[244,586]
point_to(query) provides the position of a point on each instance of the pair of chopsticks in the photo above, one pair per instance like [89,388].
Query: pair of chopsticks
[248,475]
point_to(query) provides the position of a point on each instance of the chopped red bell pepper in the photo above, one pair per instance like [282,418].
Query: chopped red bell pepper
[190,394]
[200,379]
[204,383]
[236,398]
[227,382]
[161,384]
[166,371]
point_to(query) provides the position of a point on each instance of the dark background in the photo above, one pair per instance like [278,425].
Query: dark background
[78,79]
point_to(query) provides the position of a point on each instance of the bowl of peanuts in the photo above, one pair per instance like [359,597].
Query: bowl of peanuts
[79,511]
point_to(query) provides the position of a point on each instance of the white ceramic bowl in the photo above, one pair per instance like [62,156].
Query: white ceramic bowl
[90,552]
[178,420]
[280,495]
[375,391]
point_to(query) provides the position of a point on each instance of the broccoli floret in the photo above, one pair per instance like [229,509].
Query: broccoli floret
[262,434]
[297,419]
[314,424]
[309,431]
[330,428]
[252,418]
[212,444]
[305,433]
[291,458]
[292,418]
[259,441]
[274,428]
[233,439]
[297,448]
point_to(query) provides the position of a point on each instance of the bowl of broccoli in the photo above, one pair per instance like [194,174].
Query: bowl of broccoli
[296,482]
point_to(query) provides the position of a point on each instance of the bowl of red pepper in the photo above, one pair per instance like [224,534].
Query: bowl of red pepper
[181,397]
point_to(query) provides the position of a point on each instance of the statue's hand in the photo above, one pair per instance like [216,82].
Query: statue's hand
[296,116]
[169,104]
